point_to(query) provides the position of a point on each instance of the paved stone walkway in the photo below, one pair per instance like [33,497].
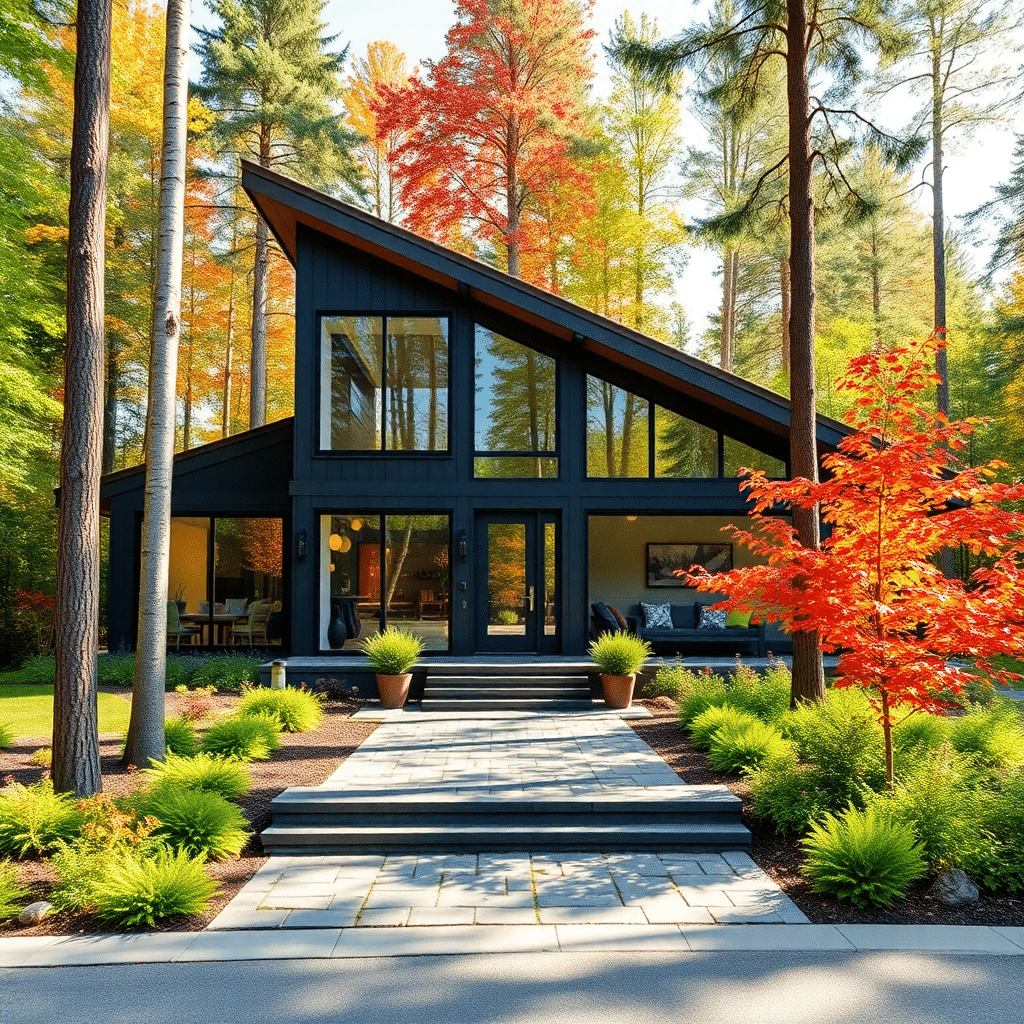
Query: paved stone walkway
[552,757]
[515,757]
[508,889]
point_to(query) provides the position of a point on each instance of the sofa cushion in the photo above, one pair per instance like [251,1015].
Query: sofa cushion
[619,618]
[684,616]
[738,619]
[604,617]
[657,616]
[711,619]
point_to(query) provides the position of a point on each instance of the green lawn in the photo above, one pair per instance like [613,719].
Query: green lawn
[28,709]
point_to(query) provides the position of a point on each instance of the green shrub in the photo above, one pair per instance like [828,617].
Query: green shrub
[181,737]
[923,731]
[393,652]
[667,681]
[6,735]
[12,893]
[247,739]
[841,740]
[227,671]
[937,800]
[783,791]
[765,696]
[864,857]
[296,710]
[42,668]
[198,823]
[739,748]
[34,819]
[206,772]
[620,654]
[999,864]
[995,735]
[698,693]
[703,727]
[116,668]
[139,890]
[43,757]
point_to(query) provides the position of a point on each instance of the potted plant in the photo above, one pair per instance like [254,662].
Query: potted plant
[392,653]
[619,656]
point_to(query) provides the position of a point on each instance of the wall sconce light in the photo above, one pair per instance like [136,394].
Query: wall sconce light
[334,542]
[301,545]
[355,525]
[630,519]
[462,543]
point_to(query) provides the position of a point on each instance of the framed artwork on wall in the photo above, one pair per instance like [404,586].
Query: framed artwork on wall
[664,559]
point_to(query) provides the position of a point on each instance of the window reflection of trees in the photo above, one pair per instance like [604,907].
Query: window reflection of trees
[617,441]
[417,384]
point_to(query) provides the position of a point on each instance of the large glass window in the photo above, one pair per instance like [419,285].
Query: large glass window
[226,580]
[376,396]
[515,426]
[683,448]
[617,428]
[384,570]
[736,456]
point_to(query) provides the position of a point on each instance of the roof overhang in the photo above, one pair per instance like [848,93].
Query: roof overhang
[285,204]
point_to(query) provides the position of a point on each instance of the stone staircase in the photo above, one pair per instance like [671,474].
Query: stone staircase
[321,821]
[507,687]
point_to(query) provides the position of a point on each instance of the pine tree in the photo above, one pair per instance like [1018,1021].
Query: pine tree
[271,78]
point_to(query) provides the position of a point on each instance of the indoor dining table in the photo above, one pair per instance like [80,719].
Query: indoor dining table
[222,623]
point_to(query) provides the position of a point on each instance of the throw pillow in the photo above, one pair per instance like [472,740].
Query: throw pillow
[711,620]
[604,616]
[657,616]
[618,617]
[739,619]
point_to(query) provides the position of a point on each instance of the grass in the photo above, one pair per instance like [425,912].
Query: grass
[28,710]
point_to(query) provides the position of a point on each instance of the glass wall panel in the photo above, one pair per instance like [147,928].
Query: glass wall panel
[417,384]
[617,440]
[549,591]
[738,455]
[417,581]
[506,579]
[351,357]
[412,591]
[248,585]
[683,448]
[515,407]
[187,582]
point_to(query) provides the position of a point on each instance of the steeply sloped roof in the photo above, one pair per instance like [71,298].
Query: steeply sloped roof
[285,204]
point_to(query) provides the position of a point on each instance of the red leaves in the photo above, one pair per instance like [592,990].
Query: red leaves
[895,496]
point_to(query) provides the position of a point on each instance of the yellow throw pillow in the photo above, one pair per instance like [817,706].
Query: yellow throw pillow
[739,619]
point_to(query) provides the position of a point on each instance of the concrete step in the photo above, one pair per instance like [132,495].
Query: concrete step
[710,832]
[632,801]
[433,692]
[518,679]
[512,704]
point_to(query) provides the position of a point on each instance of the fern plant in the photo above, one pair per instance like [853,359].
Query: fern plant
[35,820]
[698,693]
[620,654]
[741,747]
[296,710]
[247,739]
[12,893]
[197,823]
[707,723]
[864,857]
[6,735]
[393,652]
[144,890]
[208,773]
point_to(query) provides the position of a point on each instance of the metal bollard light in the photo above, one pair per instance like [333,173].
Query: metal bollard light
[277,675]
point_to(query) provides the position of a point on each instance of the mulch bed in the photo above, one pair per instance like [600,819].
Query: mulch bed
[781,857]
[303,759]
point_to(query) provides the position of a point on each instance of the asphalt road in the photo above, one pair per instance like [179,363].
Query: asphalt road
[562,988]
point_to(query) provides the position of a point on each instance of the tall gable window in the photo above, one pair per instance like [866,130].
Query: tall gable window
[628,436]
[384,383]
[515,422]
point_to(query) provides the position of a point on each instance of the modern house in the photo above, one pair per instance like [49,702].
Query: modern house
[470,457]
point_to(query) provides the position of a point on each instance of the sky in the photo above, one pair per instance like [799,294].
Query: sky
[418,28]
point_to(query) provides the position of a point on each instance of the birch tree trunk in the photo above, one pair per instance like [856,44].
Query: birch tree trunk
[146,741]
[76,760]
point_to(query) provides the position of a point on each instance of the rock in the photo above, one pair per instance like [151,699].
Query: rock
[35,912]
[954,887]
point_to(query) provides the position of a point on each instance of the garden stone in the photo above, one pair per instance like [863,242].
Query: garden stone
[35,912]
[954,887]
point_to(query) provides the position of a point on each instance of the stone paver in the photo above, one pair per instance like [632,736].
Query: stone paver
[586,888]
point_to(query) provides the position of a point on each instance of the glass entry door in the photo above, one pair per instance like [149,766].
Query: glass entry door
[518,599]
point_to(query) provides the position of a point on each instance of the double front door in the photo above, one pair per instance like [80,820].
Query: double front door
[517,587]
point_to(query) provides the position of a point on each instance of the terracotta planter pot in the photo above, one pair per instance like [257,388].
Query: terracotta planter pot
[618,691]
[393,690]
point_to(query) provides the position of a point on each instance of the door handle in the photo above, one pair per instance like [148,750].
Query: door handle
[528,597]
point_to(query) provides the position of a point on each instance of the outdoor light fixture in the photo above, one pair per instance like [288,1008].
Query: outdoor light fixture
[301,545]
[344,544]
[355,525]
[630,519]
[463,545]
[335,541]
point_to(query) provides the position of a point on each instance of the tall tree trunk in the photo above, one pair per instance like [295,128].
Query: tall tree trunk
[938,232]
[76,761]
[258,362]
[786,290]
[110,405]
[728,301]
[146,741]
[808,673]
[512,196]
[225,407]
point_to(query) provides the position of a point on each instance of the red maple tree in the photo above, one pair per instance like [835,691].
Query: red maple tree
[895,494]
[494,123]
